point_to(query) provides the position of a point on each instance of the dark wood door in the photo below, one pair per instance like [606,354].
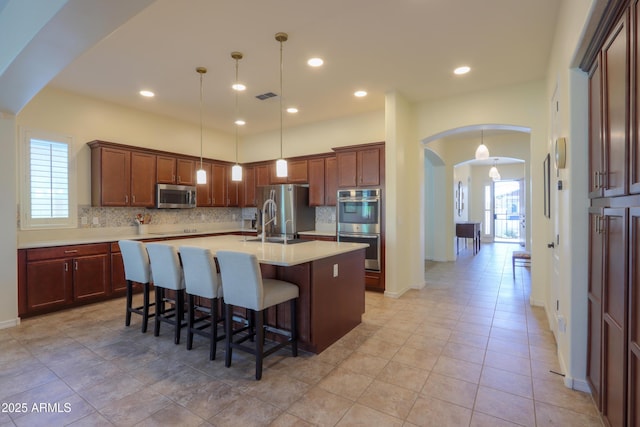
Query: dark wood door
[369,167]
[596,160]
[316,182]
[614,317]
[615,58]
[594,304]
[203,191]
[49,284]
[166,170]
[347,169]
[233,188]
[634,147]
[90,276]
[219,185]
[634,318]
[115,179]
[143,179]
[330,181]
[248,187]
[118,281]
[297,172]
[186,172]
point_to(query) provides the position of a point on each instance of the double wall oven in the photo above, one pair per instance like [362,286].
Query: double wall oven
[358,218]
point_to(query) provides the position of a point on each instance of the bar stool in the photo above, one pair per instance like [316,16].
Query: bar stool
[521,259]
[136,269]
[202,280]
[243,286]
[167,273]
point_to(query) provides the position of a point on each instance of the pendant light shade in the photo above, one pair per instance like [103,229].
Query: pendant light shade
[236,170]
[281,164]
[201,174]
[493,172]
[482,152]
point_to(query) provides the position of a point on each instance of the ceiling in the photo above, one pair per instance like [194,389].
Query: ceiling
[409,46]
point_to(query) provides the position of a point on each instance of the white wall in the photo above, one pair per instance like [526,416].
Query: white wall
[8,234]
[570,219]
[435,236]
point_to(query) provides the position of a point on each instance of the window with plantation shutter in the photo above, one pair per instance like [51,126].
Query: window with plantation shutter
[47,200]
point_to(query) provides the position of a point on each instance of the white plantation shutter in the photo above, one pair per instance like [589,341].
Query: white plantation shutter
[47,198]
[49,178]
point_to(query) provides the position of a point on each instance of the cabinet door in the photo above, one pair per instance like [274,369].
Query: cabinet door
[186,172]
[115,179]
[166,170]
[330,181]
[369,167]
[615,58]
[273,178]
[634,318]
[347,169]
[248,187]
[634,166]
[90,276]
[233,188]
[219,185]
[118,282]
[49,284]
[594,305]
[596,160]
[316,182]
[297,172]
[143,179]
[614,317]
[262,175]
[203,191]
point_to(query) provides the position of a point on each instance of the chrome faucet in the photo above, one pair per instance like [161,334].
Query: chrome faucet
[285,230]
[273,219]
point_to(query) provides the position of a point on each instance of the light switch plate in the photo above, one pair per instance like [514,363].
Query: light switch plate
[335,270]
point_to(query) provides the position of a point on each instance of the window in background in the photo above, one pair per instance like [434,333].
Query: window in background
[488,219]
[47,196]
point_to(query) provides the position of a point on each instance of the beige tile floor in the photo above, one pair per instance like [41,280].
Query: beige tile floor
[467,350]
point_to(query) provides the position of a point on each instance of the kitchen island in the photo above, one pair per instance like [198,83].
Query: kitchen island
[330,276]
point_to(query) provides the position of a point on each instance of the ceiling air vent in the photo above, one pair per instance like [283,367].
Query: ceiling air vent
[266,96]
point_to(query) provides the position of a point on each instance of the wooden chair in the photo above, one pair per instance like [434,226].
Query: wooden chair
[520,259]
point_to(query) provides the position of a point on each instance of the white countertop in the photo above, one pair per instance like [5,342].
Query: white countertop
[318,233]
[272,253]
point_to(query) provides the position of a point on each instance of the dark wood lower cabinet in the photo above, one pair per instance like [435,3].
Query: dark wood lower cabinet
[633,397]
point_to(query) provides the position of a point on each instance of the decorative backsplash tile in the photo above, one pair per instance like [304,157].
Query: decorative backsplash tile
[125,217]
[326,215]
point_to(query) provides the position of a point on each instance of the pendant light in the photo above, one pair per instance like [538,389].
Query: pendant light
[236,170]
[493,172]
[201,174]
[482,152]
[281,163]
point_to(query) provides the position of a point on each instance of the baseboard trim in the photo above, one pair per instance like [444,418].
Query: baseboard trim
[395,294]
[9,323]
[580,385]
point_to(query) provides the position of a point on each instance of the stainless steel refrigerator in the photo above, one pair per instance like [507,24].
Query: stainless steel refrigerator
[290,208]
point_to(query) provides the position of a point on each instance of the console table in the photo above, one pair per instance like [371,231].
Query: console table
[468,230]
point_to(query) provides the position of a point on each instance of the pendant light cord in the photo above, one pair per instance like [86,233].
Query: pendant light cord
[201,120]
[281,95]
[237,110]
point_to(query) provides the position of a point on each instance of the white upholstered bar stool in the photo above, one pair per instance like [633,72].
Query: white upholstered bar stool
[243,286]
[202,280]
[136,270]
[167,274]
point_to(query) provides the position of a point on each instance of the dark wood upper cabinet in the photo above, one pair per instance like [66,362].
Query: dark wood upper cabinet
[347,169]
[330,181]
[185,172]
[143,184]
[360,166]
[634,145]
[166,170]
[219,185]
[596,149]
[248,186]
[203,191]
[262,175]
[615,73]
[234,188]
[316,182]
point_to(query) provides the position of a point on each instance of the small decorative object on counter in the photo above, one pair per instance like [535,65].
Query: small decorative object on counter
[143,223]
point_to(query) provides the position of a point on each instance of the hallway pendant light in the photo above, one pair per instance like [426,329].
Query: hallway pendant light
[493,172]
[236,170]
[482,152]
[281,164]
[201,174]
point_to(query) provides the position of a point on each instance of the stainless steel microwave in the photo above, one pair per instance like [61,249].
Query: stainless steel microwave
[170,196]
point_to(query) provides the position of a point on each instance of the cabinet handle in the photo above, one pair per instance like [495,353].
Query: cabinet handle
[71,251]
[596,181]
[133,198]
[179,180]
[66,266]
[126,199]
[76,265]
[600,224]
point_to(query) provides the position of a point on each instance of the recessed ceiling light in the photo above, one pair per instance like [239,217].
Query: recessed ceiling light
[147,93]
[315,62]
[461,70]
[292,110]
[360,93]
[240,122]
[238,86]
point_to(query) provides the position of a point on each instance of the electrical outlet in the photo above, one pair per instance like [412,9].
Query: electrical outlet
[84,220]
[95,221]
[335,270]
